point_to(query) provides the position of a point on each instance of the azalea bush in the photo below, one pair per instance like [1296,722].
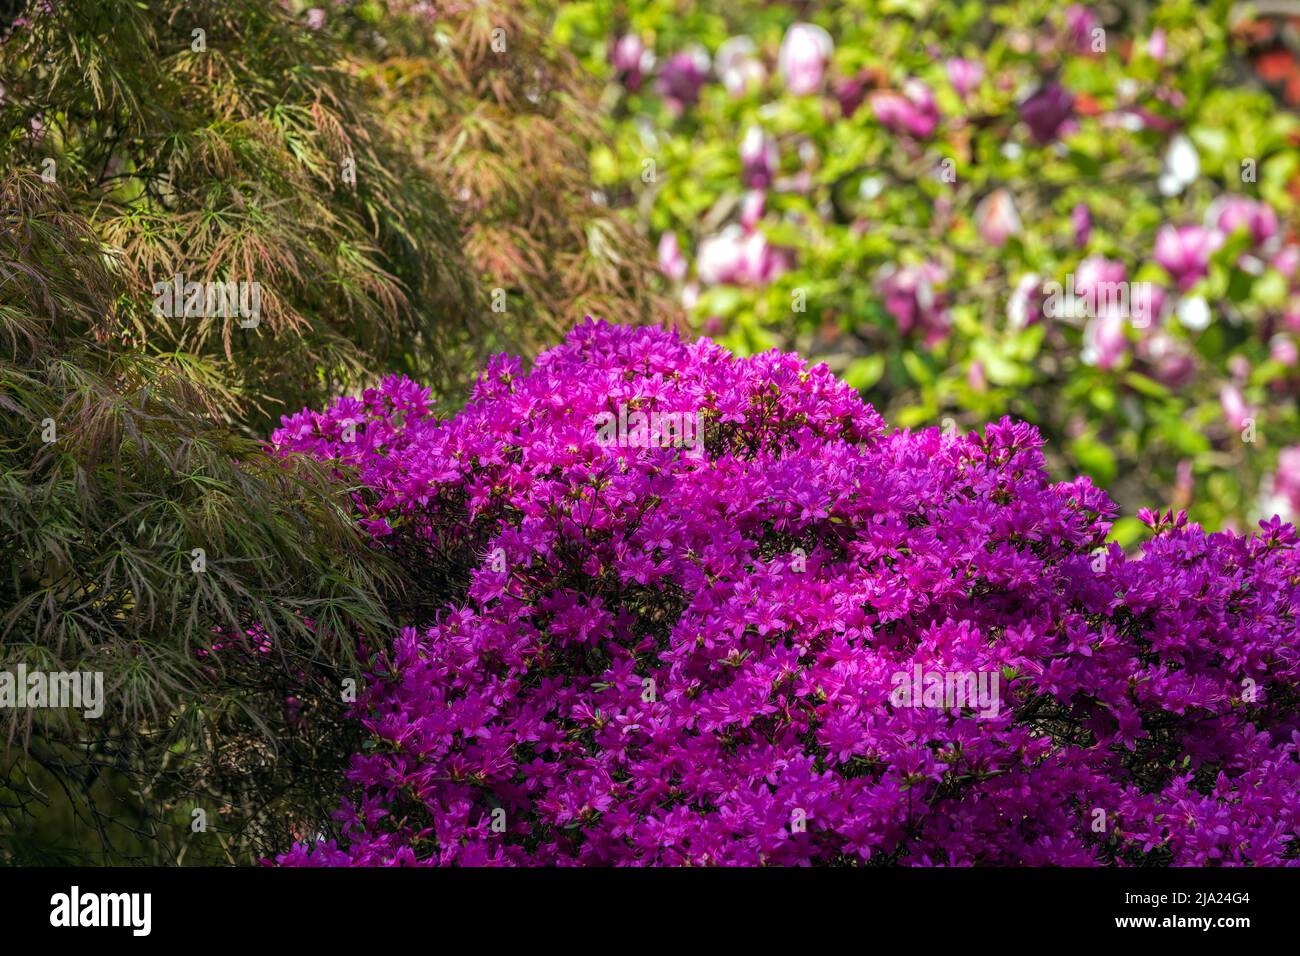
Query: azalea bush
[719,645]
[897,187]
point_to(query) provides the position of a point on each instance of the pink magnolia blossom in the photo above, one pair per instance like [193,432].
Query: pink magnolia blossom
[759,158]
[1170,360]
[805,53]
[1157,45]
[1287,261]
[1080,22]
[1184,252]
[732,257]
[850,91]
[720,259]
[1096,281]
[752,208]
[1235,409]
[912,112]
[964,75]
[683,75]
[1230,213]
[737,64]
[1286,481]
[1104,340]
[996,217]
[671,262]
[631,61]
[914,296]
[1081,220]
[1046,111]
[1025,304]
[1282,348]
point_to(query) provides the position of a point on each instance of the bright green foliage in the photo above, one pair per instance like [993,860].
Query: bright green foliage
[852,199]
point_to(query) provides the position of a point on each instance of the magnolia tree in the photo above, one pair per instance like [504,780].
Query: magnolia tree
[688,607]
[977,209]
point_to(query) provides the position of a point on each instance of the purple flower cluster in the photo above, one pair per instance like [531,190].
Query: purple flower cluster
[659,658]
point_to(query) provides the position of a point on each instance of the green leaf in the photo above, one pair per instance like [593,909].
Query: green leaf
[862,373]
[918,368]
[1095,458]
[1147,386]
[1127,531]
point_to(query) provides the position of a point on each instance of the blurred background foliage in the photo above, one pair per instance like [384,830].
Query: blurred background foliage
[892,189]
[386,176]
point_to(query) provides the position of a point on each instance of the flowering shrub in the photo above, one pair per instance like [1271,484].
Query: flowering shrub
[894,187]
[650,656]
